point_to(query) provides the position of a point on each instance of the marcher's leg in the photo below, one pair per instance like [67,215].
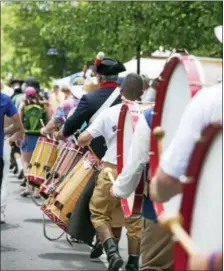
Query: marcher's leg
[133,226]
[156,247]
[26,157]
[102,206]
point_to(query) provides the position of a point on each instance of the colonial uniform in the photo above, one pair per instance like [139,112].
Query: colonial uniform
[92,101]
[102,205]
[156,243]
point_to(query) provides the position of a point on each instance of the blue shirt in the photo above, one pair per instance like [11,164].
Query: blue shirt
[7,108]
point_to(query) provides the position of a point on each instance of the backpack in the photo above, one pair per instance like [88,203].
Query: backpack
[32,116]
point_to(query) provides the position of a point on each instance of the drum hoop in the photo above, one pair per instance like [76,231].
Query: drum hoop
[189,190]
[48,140]
[128,106]
[191,68]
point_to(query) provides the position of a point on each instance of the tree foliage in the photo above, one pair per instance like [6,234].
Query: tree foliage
[116,28]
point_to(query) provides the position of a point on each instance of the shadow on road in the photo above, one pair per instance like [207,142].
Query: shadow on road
[65,256]
[37,220]
[7,249]
[9,226]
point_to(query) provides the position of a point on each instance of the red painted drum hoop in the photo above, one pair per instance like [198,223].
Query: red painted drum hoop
[190,190]
[120,140]
[48,140]
[193,76]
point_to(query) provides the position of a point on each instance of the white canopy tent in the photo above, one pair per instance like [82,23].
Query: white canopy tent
[149,66]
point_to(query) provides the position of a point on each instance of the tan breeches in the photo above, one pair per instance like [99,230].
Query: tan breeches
[107,215]
[156,247]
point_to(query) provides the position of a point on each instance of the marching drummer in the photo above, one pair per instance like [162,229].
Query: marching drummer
[205,108]
[107,70]
[102,206]
[156,243]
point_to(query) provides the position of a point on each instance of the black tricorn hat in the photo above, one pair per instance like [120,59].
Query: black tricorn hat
[108,66]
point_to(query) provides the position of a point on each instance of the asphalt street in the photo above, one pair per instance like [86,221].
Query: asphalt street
[24,247]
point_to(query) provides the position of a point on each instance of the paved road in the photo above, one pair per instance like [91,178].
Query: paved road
[23,246]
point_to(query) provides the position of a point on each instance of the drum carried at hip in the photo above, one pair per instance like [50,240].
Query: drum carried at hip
[60,205]
[69,155]
[43,158]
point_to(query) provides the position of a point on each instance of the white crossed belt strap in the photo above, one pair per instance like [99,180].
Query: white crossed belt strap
[106,104]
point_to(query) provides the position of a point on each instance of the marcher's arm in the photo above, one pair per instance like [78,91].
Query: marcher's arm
[15,127]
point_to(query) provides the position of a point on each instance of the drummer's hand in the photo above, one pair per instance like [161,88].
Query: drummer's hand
[58,135]
[42,131]
[85,139]
[112,193]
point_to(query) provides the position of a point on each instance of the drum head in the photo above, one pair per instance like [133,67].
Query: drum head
[180,80]
[201,207]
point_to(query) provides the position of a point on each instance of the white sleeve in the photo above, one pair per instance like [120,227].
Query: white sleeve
[175,160]
[138,156]
[96,129]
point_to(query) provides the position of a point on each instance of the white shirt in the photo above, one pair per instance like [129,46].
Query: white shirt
[204,108]
[106,125]
[138,156]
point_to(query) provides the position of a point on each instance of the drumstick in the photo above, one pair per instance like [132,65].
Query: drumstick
[174,225]
[173,222]
[108,171]
[43,125]
[159,133]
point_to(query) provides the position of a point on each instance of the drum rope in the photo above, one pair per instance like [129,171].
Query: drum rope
[45,232]
[31,195]
[38,158]
[48,158]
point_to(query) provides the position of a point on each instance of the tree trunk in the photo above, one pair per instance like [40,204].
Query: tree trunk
[138,53]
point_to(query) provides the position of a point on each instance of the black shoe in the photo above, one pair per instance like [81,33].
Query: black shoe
[23,184]
[21,175]
[113,257]
[97,251]
[11,166]
[15,171]
[132,264]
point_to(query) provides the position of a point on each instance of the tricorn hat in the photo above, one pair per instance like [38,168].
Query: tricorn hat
[108,66]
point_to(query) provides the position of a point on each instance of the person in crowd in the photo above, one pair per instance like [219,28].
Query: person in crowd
[32,111]
[10,124]
[102,205]
[67,92]
[15,156]
[56,98]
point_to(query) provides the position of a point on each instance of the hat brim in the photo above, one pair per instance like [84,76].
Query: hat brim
[218,33]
